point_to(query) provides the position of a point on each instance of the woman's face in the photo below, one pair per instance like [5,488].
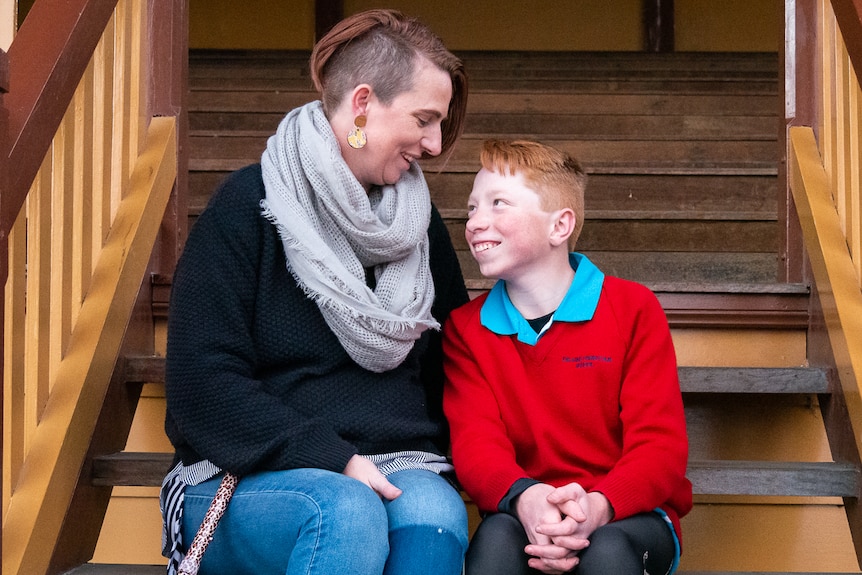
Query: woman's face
[404,130]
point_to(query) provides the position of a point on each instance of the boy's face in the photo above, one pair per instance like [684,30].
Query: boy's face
[507,230]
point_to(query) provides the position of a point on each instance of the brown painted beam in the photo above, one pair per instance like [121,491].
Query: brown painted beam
[4,251]
[848,13]
[327,13]
[169,73]
[658,19]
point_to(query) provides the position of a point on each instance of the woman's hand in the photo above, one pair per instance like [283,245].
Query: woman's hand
[362,469]
[534,510]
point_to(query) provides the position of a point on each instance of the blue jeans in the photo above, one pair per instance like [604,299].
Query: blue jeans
[311,521]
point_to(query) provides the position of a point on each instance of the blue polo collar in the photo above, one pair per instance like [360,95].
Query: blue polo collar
[500,316]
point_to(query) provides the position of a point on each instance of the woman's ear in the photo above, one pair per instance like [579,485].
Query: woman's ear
[359,98]
[563,227]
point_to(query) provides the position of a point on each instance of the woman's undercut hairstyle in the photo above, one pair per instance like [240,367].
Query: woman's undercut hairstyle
[380,48]
[554,175]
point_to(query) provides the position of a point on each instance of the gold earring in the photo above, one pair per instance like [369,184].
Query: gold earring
[356,137]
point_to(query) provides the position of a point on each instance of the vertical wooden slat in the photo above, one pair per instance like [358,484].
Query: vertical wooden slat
[61,240]
[826,35]
[854,209]
[855,166]
[103,93]
[38,299]
[13,360]
[842,180]
[82,208]
[121,116]
[138,80]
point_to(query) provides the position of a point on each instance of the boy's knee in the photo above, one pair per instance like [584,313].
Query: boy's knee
[610,552]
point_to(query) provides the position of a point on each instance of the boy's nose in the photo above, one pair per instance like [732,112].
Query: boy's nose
[476,221]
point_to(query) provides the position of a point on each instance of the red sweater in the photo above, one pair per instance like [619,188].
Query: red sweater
[594,401]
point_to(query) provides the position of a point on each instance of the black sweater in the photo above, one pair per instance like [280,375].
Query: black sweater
[255,380]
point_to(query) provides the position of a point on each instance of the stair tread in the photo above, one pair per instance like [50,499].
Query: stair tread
[693,379]
[114,569]
[709,477]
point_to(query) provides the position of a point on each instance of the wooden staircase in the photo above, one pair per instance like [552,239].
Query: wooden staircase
[682,152]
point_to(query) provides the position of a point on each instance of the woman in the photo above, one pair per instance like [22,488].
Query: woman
[303,348]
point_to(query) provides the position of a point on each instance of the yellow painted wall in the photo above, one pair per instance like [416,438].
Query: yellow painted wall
[729,25]
[259,24]
[701,25]
[521,25]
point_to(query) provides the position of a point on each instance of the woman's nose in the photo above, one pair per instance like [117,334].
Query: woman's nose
[432,143]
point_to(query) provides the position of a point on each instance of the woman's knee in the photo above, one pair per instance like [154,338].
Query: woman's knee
[427,526]
[286,521]
[427,499]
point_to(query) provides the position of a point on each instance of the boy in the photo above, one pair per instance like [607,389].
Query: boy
[566,417]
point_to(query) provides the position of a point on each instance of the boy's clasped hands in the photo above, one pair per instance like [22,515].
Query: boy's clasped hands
[558,523]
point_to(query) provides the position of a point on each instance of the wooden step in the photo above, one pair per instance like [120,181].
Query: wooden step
[659,127]
[622,234]
[520,102]
[708,477]
[105,569]
[227,152]
[649,267]
[482,66]
[760,380]
[764,305]
[611,196]
[726,477]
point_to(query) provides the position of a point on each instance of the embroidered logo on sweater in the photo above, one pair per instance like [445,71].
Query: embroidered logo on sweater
[584,361]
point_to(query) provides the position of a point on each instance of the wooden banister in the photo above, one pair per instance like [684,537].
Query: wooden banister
[88,169]
[848,14]
[45,63]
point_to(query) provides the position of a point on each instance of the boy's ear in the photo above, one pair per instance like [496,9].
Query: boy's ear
[564,226]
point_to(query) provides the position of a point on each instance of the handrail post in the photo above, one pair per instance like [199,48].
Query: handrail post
[4,251]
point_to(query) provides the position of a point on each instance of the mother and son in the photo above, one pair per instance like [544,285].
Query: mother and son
[323,349]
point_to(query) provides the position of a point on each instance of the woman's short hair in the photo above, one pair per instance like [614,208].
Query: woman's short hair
[380,48]
[557,177]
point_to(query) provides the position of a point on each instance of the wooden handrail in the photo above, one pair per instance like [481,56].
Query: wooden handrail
[46,62]
[88,169]
[848,14]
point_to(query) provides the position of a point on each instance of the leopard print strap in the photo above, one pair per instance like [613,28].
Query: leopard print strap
[192,561]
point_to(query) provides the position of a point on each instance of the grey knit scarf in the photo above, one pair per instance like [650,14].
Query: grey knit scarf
[332,230]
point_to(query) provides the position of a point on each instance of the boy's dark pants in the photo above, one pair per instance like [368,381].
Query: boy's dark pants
[630,546]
